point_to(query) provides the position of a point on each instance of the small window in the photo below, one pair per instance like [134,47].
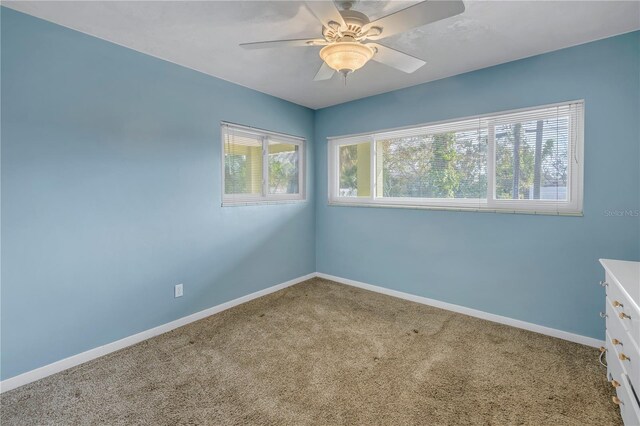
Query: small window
[261,166]
[527,161]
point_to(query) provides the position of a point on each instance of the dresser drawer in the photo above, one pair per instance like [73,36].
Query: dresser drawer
[619,341]
[614,367]
[626,400]
[629,409]
[625,309]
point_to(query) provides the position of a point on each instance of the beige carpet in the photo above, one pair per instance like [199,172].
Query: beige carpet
[323,353]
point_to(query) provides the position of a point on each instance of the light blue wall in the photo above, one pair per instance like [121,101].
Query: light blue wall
[111,194]
[541,269]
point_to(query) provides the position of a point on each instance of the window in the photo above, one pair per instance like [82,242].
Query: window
[527,161]
[261,166]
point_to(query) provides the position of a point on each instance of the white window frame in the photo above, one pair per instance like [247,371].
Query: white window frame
[264,197]
[571,207]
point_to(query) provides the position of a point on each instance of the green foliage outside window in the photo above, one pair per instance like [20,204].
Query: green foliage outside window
[283,173]
[236,174]
[445,165]
[530,157]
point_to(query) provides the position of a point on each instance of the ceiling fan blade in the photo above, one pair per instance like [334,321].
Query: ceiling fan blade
[326,11]
[303,42]
[414,16]
[324,73]
[396,59]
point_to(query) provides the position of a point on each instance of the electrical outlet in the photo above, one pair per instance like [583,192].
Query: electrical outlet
[178,290]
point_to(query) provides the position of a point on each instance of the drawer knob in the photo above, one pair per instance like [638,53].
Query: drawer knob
[622,315]
[617,400]
[603,283]
[623,357]
[616,342]
[617,304]
[603,349]
[615,383]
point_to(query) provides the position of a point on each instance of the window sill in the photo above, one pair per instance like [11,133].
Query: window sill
[260,202]
[457,208]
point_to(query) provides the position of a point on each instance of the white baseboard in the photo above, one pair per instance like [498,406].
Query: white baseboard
[72,361]
[577,338]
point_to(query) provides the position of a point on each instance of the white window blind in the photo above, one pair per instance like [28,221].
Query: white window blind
[520,161]
[261,166]
[243,163]
[434,163]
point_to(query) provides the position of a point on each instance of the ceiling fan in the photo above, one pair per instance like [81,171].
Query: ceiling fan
[349,37]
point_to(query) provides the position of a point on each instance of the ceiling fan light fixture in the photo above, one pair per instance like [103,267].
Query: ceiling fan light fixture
[346,57]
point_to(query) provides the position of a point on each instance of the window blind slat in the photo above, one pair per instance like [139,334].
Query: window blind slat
[434,129]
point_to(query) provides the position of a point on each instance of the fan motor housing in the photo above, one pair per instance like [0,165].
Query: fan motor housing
[355,22]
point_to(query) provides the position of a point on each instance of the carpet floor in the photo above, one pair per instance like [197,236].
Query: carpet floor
[321,353]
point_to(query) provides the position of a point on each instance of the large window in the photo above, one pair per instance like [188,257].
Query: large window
[261,166]
[526,161]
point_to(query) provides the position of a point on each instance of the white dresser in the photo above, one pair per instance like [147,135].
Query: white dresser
[622,346]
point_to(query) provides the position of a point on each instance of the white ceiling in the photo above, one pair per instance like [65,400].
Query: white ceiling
[205,36]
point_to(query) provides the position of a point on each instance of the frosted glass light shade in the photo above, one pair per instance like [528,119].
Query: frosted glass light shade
[346,56]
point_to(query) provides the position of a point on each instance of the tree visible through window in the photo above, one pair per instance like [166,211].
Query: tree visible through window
[532,160]
[235,170]
[444,165]
[283,168]
[520,161]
